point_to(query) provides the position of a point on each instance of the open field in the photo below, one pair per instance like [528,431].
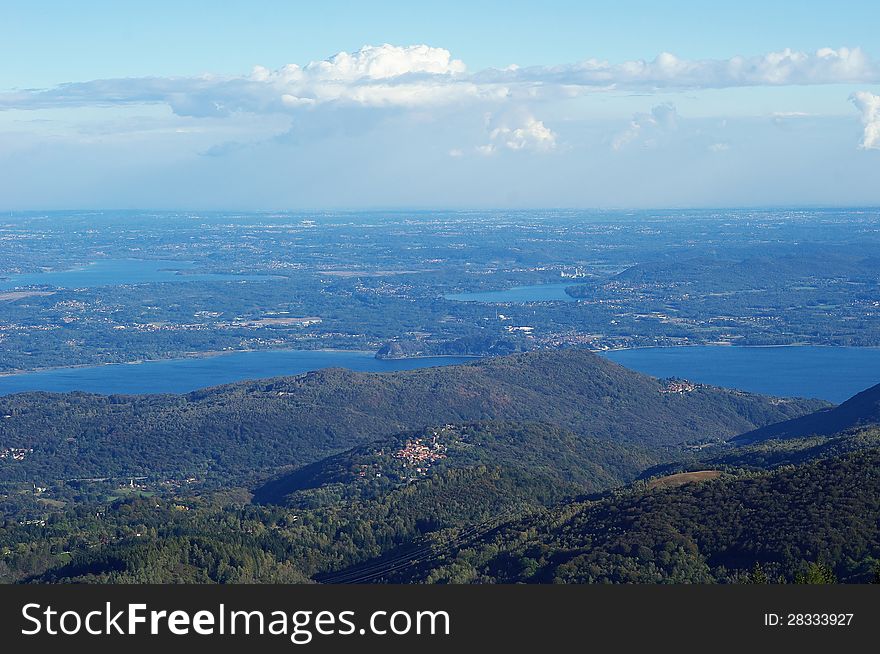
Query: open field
[682,478]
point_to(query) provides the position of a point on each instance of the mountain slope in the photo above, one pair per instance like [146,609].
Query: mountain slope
[476,511]
[858,411]
[714,531]
[768,454]
[555,460]
[243,430]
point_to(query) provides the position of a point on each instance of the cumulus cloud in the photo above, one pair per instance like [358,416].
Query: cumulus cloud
[374,76]
[527,134]
[646,128]
[869,106]
[421,76]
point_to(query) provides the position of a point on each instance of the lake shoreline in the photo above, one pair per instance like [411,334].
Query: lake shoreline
[208,354]
[827,372]
[219,353]
[832,373]
[734,345]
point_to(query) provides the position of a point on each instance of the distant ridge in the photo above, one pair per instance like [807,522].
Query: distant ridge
[250,427]
[859,411]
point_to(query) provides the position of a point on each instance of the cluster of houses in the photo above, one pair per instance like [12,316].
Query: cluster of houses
[420,453]
[679,386]
[15,453]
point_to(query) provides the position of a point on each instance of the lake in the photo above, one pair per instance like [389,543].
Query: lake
[115,272]
[830,373]
[518,294]
[183,375]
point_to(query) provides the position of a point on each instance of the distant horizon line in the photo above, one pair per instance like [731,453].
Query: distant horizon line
[404,209]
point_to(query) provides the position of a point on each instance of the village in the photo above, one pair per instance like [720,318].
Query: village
[15,453]
[421,453]
[411,460]
[680,386]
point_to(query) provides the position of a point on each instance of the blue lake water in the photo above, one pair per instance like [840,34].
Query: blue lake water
[114,272]
[519,294]
[183,375]
[830,373]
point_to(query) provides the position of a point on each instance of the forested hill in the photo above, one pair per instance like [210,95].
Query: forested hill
[816,522]
[859,411]
[555,461]
[252,427]
[485,518]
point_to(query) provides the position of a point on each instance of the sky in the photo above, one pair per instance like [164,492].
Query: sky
[282,105]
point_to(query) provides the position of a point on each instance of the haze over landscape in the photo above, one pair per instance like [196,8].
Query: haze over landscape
[498,105]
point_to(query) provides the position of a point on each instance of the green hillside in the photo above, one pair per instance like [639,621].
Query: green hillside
[482,524]
[858,411]
[563,462]
[249,430]
[541,467]
[825,512]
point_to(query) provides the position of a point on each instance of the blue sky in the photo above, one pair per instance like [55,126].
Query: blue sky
[490,104]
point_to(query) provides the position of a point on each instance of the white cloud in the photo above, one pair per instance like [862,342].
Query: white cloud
[825,66]
[381,62]
[384,75]
[526,134]
[869,106]
[422,76]
[374,76]
[647,128]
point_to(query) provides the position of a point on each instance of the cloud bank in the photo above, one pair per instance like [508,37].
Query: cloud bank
[420,76]
[374,76]
[666,71]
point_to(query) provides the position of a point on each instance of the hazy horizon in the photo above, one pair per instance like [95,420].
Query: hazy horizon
[449,209]
[582,105]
